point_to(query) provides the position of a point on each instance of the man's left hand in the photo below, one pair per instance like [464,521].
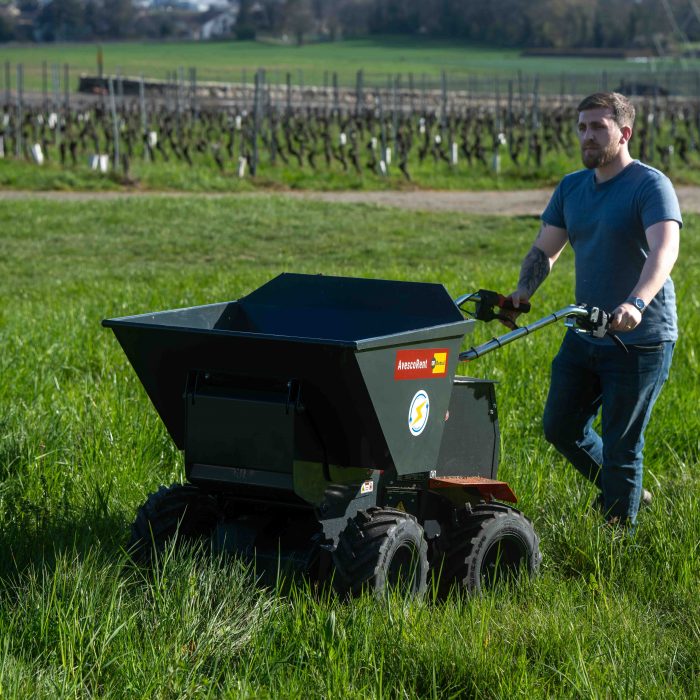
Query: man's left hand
[626,317]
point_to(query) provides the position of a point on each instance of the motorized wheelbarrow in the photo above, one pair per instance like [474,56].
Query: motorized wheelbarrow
[324,428]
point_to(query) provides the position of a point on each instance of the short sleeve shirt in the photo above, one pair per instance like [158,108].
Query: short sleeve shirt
[606,224]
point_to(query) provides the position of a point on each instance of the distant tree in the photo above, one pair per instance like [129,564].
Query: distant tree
[274,11]
[396,17]
[560,23]
[157,25]
[61,20]
[7,27]
[353,17]
[118,18]
[299,19]
[245,24]
[326,18]
[93,19]
[517,23]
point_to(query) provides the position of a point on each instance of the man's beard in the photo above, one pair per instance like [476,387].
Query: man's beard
[598,157]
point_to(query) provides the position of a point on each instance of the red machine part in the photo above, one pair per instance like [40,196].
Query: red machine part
[489,489]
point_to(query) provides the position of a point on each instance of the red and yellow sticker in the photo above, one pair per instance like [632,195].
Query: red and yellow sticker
[424,363]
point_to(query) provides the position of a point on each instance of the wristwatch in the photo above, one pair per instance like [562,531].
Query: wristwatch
[638,303]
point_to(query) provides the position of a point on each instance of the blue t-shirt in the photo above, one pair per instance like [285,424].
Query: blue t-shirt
[606,224]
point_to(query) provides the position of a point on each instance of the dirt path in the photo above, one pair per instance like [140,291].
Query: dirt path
[507,203]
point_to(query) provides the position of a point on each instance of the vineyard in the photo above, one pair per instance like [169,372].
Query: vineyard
[270,127]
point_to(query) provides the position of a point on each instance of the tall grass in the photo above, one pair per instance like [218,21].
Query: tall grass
[81,446]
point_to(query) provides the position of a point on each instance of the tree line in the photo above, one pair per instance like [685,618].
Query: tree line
[515,23]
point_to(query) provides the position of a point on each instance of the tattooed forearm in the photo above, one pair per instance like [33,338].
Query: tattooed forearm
[534,270]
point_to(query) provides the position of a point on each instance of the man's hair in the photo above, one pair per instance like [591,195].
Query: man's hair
[621,108]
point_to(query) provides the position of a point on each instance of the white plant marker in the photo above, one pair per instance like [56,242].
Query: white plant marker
[37,154]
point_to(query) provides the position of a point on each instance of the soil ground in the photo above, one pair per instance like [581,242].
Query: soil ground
[507,203]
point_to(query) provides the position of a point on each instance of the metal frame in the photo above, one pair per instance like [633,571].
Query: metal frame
[573,310]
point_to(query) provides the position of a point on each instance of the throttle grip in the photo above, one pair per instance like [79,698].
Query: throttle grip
[506,304]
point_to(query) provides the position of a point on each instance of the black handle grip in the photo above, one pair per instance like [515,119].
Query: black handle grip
[488,301]
[507,304]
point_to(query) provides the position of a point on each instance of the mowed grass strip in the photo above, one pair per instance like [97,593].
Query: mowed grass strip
[81,446]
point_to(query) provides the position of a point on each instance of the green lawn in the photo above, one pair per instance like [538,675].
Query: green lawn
[378,57]
[81,446]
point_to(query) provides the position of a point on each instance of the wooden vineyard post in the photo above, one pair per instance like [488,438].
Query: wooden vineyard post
[8,86]
[44,86]
[66,86]
[256,121]
[20,116]
[55,79]
[359,98]
[115,124]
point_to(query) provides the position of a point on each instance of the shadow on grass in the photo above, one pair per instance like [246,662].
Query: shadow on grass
[37,536]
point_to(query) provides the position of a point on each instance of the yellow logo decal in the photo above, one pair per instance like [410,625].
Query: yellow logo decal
[439,363]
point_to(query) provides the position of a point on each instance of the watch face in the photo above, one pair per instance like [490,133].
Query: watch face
[639,304]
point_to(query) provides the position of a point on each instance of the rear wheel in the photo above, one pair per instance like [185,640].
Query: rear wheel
[489,543]
[179,510]
[382,549]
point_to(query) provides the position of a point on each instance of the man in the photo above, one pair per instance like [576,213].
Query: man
[622,219]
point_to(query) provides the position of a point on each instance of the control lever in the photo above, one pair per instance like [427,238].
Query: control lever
[596,324]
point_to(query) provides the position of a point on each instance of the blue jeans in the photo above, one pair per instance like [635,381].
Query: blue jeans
[588,378]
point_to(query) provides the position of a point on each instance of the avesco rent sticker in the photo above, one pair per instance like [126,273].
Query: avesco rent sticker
[422,363]
[418,413]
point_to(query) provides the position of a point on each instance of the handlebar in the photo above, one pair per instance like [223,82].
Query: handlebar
[581,318]
[486,301]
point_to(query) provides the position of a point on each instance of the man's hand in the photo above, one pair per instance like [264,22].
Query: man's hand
[517,297]
[663,252]
[626,317]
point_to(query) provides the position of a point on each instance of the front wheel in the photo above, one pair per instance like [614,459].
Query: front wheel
[489,543]
[382,549]
[180,510]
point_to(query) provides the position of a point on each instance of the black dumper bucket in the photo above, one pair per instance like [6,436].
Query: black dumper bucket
[348,372]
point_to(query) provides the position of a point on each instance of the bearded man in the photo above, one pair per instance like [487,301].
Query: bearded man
[623,221]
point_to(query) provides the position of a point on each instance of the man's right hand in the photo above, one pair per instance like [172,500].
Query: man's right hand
[516,298]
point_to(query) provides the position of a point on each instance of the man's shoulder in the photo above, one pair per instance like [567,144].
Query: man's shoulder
[651,187]
[582,175]
[655,195]
[646,170]
[635,170]
[644,173]
[575,180]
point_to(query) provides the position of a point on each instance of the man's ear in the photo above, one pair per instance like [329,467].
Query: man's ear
[626,134]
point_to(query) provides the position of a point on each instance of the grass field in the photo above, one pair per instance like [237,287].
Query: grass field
[81,446]
[204,176]
[378,57]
